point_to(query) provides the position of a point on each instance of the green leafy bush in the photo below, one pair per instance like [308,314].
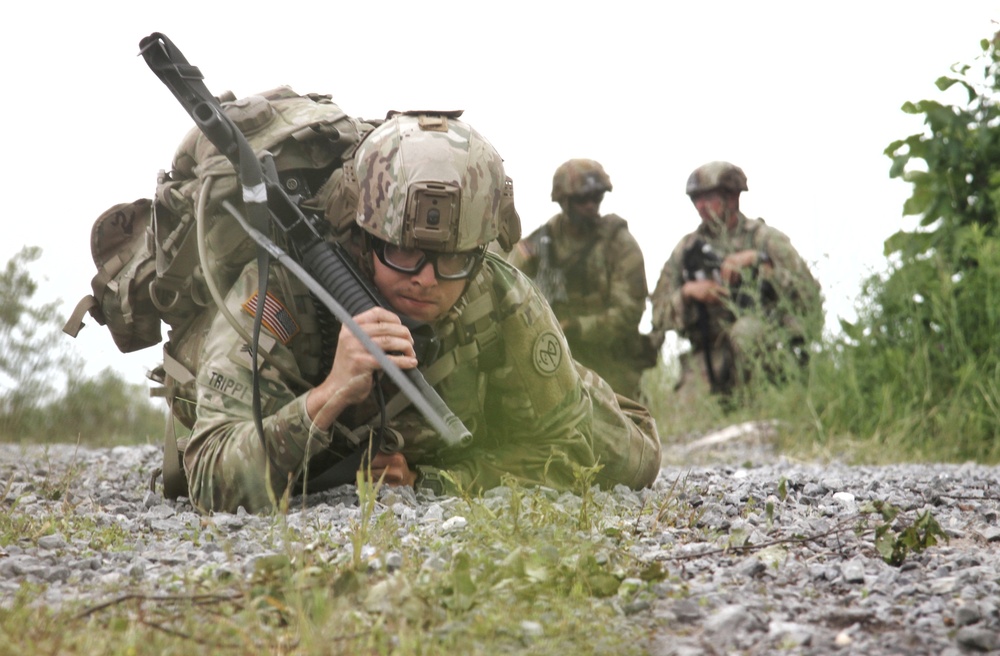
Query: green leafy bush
[917,375]
[921,366]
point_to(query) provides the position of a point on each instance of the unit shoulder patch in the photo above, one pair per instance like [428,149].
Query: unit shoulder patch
[547,353]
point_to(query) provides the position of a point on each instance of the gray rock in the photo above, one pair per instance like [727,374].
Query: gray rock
[55,541]
[725,591]
[978,638]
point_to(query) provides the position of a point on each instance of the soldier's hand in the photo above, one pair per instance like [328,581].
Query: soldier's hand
[704,291]
[395,468]
[350,379]
[734,263]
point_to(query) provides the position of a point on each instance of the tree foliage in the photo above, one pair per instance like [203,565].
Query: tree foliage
[43,397]
[28,335]
[924,355]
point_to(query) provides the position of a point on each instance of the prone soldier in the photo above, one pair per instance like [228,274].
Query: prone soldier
[426,194]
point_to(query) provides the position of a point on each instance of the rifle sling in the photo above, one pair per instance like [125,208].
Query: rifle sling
[345,471]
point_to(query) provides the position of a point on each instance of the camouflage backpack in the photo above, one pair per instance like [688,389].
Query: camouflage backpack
[151,253]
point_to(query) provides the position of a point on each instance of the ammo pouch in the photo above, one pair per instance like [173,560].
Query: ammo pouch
[121,245]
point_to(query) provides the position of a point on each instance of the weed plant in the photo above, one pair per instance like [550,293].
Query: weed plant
[530,571]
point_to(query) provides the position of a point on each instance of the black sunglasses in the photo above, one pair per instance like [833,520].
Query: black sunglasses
[447,266]
[595,197]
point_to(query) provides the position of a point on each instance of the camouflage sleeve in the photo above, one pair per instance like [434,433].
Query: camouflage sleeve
[524,254]
[626,297]
[226,463]
[790,276]
[539,409]
[670,312]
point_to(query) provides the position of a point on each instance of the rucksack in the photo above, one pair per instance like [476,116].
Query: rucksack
[146,252]
[149,270]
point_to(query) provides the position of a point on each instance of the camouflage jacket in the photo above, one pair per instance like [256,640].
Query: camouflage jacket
[605,282]
[795,302]
[534,413]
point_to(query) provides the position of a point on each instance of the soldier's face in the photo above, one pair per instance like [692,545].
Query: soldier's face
[585,208]
[716,208]
[419,295]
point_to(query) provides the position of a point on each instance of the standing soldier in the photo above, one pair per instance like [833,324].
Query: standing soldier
[591,270]
[736,288]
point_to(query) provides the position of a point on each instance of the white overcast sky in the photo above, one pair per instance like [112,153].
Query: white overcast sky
[805,96]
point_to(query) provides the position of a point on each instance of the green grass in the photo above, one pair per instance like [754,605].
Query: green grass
[924,400]
[532,572]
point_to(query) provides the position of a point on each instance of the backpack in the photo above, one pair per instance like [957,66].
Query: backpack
[146,252]
[149,269]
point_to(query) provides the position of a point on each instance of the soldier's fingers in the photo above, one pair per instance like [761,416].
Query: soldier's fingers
[395,344]
[377,315]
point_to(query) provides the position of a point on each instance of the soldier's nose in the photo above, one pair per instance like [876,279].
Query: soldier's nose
[426,275]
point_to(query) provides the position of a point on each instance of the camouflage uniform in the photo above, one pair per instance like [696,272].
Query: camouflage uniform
[737,335]
[605,293]
[534,413]
[591,271]
[505,369]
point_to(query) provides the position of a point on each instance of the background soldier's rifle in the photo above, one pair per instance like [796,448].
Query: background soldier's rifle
[551,279]
[701,262]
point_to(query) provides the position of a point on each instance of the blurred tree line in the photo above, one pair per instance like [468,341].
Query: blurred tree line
[34,359]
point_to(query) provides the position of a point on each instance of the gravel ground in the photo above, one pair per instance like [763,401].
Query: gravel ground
[807,583]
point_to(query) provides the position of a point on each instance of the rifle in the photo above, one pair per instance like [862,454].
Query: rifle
[551,279]
[325,268]
[701,262]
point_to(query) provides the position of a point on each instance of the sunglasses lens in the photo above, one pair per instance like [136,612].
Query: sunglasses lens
[406,260]
[447,266]
[588,198]
[454,265]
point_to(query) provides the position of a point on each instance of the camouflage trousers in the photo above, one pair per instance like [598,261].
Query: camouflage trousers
[750,348]
[622,373]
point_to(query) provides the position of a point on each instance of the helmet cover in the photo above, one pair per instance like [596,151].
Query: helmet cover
[428,180]
[716,175]
[579,177]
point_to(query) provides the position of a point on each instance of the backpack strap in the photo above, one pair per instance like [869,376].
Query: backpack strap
[75,322]
[174,479]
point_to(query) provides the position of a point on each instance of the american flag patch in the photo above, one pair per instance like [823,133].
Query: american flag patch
[276,318]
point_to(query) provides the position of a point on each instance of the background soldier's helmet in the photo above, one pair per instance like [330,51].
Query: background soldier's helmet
[428,180]
[578,177]
[716,175]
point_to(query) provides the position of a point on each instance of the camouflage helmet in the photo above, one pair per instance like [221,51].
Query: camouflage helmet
[428,180]
[716,175]
[578,177]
